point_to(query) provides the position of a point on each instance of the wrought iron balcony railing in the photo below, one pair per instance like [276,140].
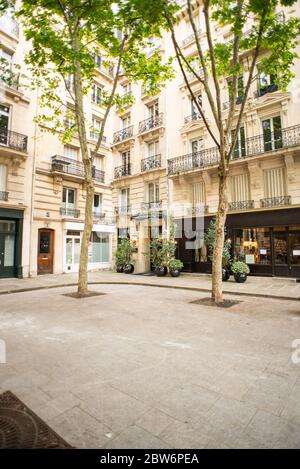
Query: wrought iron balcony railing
[4,196]
[275,201]
[151,123]
[13,140]
[98,215]
[70,212]
[262,90]
[241,205]
[98,175]
[200,209]
[190,38]
[9,25]
[62,164]
[152,162]
[193,117]
[145,206]
[226,104]
[123,134]
[268,142]
[124,170]
[123,210]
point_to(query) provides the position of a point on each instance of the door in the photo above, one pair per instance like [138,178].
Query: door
[7,248]
[294,253]
[72,251]
[280,253]
[45,251]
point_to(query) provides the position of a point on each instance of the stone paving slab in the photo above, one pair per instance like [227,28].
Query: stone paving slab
[283,288]
[130,369]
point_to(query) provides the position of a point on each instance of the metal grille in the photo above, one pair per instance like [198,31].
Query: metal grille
[275,201]
[121,171]
[123,134]
[151,123]
[152,162]
[13,140]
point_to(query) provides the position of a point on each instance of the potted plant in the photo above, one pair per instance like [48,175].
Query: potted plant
[240,271]
[155,256]
[175,266]
[123,256]
[120,257]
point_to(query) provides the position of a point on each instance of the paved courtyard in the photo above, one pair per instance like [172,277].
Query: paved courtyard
[143,367]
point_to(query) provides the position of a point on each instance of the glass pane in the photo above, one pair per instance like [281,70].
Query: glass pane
[96,248]
[7,226]
[266,124]
[69,244]
[76,250]
[71,196]
[295,248]
[44,243]
[280,248]
[104,247]
[277,132]
[252,245]
[9,250]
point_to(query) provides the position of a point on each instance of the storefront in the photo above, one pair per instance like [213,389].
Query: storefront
[268,241]
[100,246]
[11,229]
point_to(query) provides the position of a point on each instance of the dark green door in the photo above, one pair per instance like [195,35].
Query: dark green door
[7,248]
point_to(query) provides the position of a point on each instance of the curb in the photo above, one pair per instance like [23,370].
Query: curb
[144,284]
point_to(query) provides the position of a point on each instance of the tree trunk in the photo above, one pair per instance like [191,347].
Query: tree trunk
[88,177]
[217,291]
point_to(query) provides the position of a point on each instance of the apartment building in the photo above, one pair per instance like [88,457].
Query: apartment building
[156,155]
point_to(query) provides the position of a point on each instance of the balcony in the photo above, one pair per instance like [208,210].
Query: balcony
[254,146]
[123,210]
[98,215]
[123,170]
[191,38]
[193,117]
[152,162]
[146,206]
[13,140]
[262,90]
[241,205]
[69,212]
[123,134]
[73,168]
[275,201]
[151,123]
[200,209]
[4,196]
[9,25]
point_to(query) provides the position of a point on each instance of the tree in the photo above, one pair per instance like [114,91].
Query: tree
[65,36]
[271,38]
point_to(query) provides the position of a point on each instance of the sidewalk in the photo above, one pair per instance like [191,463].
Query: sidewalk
[281,288]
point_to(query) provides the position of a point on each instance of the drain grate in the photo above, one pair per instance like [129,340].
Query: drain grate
[21,428]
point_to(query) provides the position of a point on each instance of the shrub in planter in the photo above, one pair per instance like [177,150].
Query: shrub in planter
[240,271]
[123,256]
[209,238]
[225,274]
[175,266]
[128,269]
[161,271]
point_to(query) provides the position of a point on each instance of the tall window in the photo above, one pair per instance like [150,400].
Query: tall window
[194,109]
[3,176]
[96,127]
[240,146]
[125,121]
[239,188]
[153,110]
[8,57]
[266,83]
[153,148]
[70,82]
[98,60]
[71,152]
[125,158]
[70,121]
[198,194]
[197,145]
[152,194]
[124,199]
[4,121]
[98,162]
[68,200]
[240,89]
[97,94]
[272,133]
[126,88]
[97,206]
[274,182]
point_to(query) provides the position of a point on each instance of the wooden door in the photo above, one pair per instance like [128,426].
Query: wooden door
[45,251]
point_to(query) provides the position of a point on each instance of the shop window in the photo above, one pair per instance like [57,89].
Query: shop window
[274,182]
[99,247]
[252,245]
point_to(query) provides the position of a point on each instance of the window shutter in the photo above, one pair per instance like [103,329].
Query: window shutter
[239,188]
[274,182]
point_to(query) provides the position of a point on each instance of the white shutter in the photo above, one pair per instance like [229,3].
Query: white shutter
[3,174]
[239,187]
[274,182]
[198,193]
[71,152]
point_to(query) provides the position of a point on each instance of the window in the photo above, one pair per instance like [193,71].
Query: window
[153,110]
[125,158]
[266,84]
[124,200]
[126,88]
[4,120]
[70,121]
[153,148]
[274,182]
[197,145]
[99,247]
[98,162]
[240,89]
[98,60]
[3,176]
[71,152]
[239,188]
[96,127]
[97,207]
[252,245]
[152,194]
[70,82]
[272,133]
[198,194]
[68,200]
[125,121]
[8,57]
[240,146]
[194,109]
[97,94]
